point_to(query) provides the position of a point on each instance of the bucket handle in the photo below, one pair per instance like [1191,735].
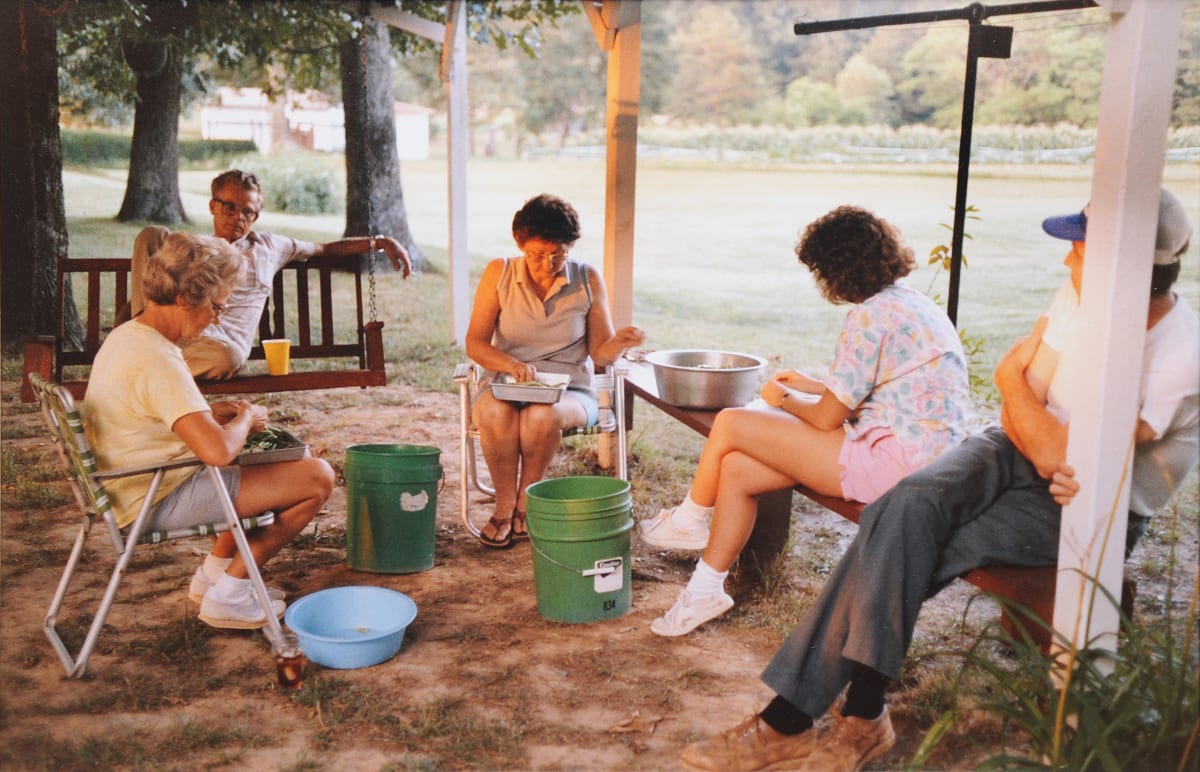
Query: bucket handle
[584,572]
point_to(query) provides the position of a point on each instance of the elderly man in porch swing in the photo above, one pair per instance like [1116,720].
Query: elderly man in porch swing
[995,499]
[237,200]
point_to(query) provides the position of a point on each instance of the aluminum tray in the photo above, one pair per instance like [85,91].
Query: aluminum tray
[549,393]
[295,449]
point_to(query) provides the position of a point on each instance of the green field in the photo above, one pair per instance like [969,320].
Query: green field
[714,266]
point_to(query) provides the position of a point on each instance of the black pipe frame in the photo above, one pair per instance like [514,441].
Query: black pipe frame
[983,41]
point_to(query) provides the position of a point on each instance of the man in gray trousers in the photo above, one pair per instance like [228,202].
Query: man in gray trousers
[995,499]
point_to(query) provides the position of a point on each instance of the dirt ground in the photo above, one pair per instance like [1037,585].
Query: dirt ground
[481,682]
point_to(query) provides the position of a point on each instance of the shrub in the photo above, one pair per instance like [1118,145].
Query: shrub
[109,150]
[95,148]
[299,185]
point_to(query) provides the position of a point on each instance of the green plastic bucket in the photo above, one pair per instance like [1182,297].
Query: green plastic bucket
[580,529]
[391,503]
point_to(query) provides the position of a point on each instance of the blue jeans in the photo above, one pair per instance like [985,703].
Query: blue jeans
[980,503]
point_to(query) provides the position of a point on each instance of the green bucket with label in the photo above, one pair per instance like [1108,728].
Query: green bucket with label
[580,530]
[391,507]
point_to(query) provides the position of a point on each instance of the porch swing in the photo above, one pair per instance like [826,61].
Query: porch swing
[344,348]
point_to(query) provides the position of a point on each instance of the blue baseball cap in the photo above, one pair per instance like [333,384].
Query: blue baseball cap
[1071,227]
[1173,234]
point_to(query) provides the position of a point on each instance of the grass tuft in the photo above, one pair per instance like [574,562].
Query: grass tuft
[1136,708]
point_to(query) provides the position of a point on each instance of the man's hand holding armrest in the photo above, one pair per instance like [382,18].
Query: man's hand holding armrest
[1063,485]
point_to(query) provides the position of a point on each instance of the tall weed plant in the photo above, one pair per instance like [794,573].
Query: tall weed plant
[980,380]
[1143,715]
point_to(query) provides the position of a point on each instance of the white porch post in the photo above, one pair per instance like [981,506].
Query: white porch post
[1135,106]
[618,28]
[455,77]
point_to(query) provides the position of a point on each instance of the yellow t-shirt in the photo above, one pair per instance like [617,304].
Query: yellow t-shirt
[138,387]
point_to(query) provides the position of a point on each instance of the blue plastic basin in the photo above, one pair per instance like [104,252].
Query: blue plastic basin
[351,627]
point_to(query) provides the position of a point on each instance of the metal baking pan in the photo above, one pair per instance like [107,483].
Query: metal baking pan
[548,389]
[287,448]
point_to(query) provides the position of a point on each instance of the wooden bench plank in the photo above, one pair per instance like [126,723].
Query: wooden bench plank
[1032,588]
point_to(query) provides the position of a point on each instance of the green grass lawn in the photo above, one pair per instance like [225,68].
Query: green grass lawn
[714,266]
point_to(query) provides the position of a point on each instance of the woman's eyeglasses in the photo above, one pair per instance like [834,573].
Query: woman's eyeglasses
[217,308]
[546,257]
[229,209]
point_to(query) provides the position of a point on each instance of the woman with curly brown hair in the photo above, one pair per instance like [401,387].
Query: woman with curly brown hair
[895,397]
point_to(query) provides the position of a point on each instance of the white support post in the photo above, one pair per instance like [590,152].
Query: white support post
[1135,106]
[457,137]
[619,31]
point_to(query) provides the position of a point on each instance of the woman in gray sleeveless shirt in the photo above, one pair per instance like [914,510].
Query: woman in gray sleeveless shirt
[541,312]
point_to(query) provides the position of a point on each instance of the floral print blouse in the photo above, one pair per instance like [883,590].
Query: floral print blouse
[899,364]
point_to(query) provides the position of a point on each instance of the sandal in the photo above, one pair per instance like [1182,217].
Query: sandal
[522,533]
[498,543]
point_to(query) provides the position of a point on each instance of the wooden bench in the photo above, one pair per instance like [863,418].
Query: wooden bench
[332,345]
[1032,588]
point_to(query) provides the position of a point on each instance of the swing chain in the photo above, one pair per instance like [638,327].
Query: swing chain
[364,15]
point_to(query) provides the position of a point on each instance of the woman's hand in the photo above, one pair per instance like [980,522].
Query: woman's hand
[255,415]
[224,411]
[521,371]
[794,379]
[773,393]
[629,337]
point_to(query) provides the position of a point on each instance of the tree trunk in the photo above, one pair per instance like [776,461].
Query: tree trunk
[374,200]
[33,223]
[152,191]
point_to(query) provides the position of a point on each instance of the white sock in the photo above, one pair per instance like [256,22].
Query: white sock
[706,580]
[214,566]
[689,515]
[228,587]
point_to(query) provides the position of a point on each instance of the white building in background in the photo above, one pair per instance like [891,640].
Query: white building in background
[309,120]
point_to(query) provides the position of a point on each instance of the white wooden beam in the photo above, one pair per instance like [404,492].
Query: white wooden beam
[457,138]
[409,22]
[1135,107]
[621,21]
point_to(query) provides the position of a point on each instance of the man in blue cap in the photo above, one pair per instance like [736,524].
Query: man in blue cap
[995,499]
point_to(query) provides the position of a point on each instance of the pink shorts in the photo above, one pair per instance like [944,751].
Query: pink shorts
[871,464]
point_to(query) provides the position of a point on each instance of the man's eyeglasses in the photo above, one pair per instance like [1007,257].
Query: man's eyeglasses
[229,209]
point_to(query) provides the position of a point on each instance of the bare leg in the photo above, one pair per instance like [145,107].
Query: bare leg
[761,452]
[498,423]
[541,436]
[295,490]
[781,441]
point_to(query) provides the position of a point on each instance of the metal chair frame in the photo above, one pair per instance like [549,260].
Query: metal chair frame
[610,386]
[87,483]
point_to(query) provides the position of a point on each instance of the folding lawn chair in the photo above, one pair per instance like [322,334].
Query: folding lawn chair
[87,482]
[610,387]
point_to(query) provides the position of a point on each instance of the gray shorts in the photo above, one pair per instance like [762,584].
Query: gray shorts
[195,502]
[590,405]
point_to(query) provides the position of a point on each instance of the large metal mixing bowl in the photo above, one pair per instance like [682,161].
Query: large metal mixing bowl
[706,379]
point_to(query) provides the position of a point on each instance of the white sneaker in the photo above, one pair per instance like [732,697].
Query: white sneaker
[689,612]
[201,585]
[662,531]
[241,612]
